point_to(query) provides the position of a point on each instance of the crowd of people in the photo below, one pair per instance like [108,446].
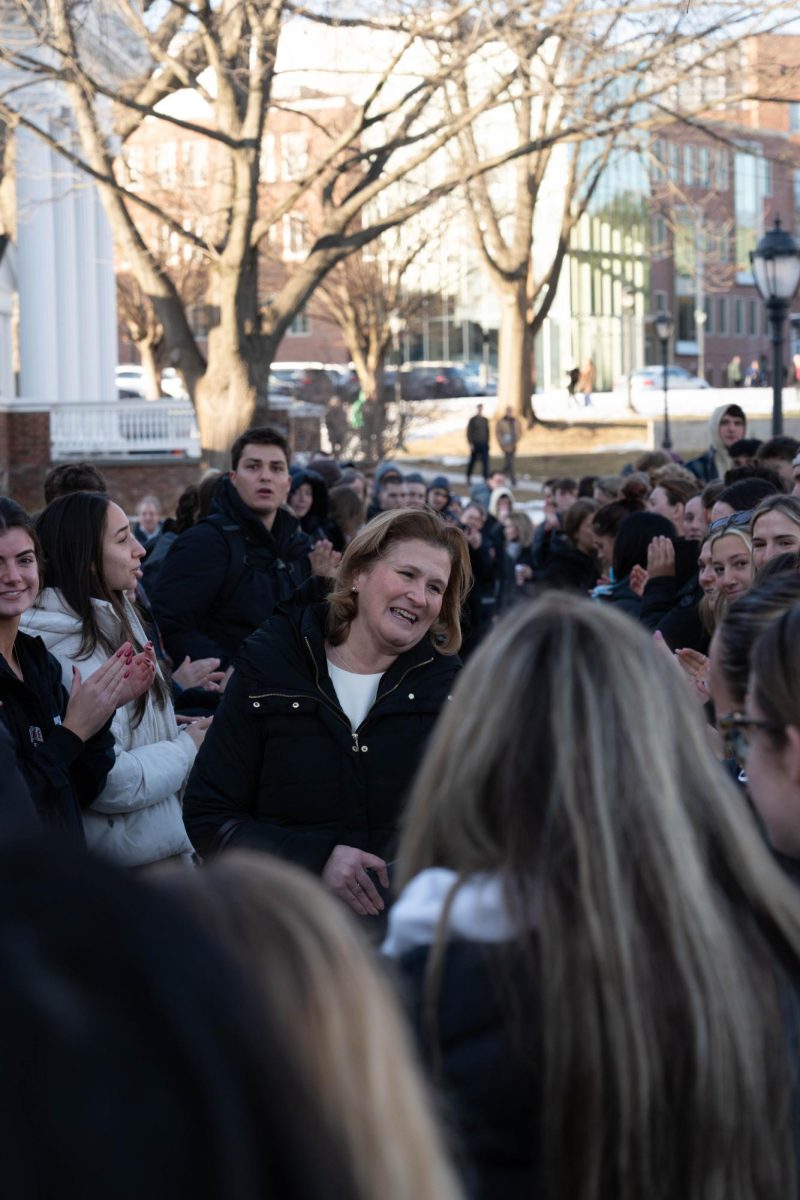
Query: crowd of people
[298,903]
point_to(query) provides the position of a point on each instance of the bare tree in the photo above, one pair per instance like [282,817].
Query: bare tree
[119,64]
[591,85]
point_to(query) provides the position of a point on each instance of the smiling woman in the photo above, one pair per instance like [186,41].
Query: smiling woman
[329,708]
[84,612]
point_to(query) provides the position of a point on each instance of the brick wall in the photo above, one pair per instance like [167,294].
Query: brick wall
[24,455]
[25,460]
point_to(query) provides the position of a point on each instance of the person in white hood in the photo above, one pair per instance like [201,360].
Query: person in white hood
[726,425]
[92,563]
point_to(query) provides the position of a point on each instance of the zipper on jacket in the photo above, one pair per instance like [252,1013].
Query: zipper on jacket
[338,711]
[380,699]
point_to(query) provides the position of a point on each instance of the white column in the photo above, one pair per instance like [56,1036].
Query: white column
[68,272]
[36,270]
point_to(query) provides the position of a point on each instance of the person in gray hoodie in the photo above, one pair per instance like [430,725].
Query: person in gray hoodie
[727,424]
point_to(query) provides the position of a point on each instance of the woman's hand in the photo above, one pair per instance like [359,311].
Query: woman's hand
[345,873]
[92,702]
[196,728]
[661,557]
[637,580]
[696,667]
[324,560]
[202,672]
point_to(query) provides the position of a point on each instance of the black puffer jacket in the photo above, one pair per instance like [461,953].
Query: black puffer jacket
[225,576]
[280,769]
[62,773]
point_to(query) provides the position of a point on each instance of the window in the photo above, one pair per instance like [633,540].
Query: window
[688,166]
[751,181]
[709,310]
[752,318]
[294,235]
[194,162]
[704,167]
[722,315]
[134,160]
[165,164]
[723,170]
[794,116]
[738,316]
[267,169]
[685,252]
[658,234]
[672,162]
[300,326]
[686,324]
[660,301]
[294,155]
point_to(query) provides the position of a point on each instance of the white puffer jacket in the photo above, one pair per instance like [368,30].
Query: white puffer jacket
[137,818]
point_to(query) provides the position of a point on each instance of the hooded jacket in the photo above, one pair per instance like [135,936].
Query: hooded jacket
[490,1083]
[223,578]
[315,523]
[280,768]
[716,461]
[136,818]
[61,773]
[381,472]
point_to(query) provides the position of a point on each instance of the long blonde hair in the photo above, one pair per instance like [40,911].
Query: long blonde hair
[593,794]
[337,1017]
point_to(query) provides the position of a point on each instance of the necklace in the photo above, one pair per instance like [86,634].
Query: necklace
[15,659]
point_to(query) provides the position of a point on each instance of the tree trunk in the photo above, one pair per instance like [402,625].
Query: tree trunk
[147,353]
[225,399]
[515,381]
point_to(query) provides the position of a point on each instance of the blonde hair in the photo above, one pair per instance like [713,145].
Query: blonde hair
[340,1023]
[372,542]
[596,799]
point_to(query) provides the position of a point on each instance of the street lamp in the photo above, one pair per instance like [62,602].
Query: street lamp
[396,327]
[776,269]
[628,305]
[664,325]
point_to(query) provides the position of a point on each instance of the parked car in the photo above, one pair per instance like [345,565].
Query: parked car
[652,379]
[309,381]
[431,381]
[172,385]
[131,382]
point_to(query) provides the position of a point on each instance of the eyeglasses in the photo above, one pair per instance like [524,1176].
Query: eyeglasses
[735,521]
[735,728]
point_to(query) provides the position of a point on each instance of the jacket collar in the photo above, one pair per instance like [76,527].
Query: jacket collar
[230,505]
[313,621]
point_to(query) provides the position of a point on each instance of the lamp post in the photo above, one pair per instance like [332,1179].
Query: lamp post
[628,305]
[396,328]
[664,325]
[776,270]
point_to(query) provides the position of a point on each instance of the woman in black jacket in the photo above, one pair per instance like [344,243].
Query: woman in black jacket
[329,707]
[63,742]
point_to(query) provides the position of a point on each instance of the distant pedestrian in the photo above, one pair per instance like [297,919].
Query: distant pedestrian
[573,375]
[753,376]
[148,520]
[586,381]
[507,432]
[478,438]
[336,425]
[734,372]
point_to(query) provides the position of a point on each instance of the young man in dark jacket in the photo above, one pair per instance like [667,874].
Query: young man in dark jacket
[223,577]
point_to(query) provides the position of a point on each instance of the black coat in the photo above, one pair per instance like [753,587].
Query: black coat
[567,568]
[675,612]
[489,1088]
[63,774]
[224,577]
[280,769]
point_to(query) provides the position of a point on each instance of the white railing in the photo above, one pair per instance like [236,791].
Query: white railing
[124,427]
